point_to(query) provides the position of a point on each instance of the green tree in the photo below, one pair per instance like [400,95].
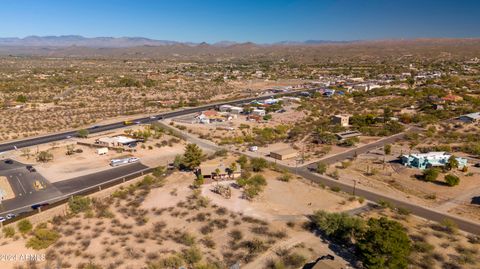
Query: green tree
[193,156]
[452,180]
[44,156]
[258,164]
[242,160]
[83,133]
[452,163]
[178,162]
[321,168]
[340,226]
[430,174]
[385,244]
[232,168]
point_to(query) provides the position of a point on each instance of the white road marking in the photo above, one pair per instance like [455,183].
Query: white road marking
[21,185]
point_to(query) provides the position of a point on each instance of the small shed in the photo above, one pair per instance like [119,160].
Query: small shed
[284,154]
[341,120]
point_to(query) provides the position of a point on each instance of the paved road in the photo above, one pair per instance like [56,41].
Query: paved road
[101,128]
[78,183]
[22,182]
[357,151]
[56,191]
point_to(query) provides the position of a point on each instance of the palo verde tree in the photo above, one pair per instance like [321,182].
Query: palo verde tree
[192,157]
[385,244]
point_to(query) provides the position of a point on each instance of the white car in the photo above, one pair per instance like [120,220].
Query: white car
[153,117]
[2,219]
[10,216]
[133,160]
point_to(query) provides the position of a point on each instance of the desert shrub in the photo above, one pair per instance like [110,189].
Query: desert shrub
[403,211]
[430,174]
[42,238]
[338,225]
[423,247]
[294,260]
[321,168]
[335,189]
[169,262]
[208,242]
[79,204]
[186,239]
[452,180]
[449,226]
[254,246]
[90,265]
[251,191]
[192,255]
[285,177]
[8,231]
[258,164]
[236,234]
[24,226]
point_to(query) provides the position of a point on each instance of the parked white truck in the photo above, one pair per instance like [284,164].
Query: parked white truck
[118,162]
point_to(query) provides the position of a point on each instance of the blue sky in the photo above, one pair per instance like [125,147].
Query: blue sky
[247,20]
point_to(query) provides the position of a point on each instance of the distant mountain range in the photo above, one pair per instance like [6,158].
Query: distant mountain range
[126,42]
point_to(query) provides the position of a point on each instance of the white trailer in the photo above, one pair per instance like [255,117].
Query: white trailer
[102,151]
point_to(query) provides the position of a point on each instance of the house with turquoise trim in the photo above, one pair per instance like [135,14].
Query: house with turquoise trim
[430,159]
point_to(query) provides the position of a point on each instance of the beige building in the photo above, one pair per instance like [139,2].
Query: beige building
[284,154]
[342,120]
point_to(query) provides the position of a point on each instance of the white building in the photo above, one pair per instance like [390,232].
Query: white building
[259,112]
[236,110]
[470,118]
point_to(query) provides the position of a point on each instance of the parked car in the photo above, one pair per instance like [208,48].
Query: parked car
[68,136]
[95,126]
[133,160]
[2,219]
[8,161]
[37,206]
[10,216]
[31,168]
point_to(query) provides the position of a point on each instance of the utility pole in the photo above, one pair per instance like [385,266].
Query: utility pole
[354,186]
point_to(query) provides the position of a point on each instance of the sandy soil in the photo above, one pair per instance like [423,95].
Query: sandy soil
[280,200]
[126,241]
[6,189]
